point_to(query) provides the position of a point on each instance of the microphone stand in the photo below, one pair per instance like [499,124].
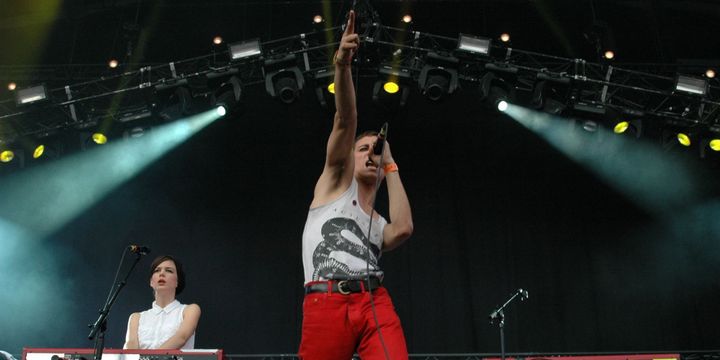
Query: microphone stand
[499,315]
[100,325]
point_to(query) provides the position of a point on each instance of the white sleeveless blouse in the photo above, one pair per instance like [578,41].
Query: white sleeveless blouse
[157,325]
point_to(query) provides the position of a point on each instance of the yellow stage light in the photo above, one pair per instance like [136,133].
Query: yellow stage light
[715,144]
[6,156]
[391,87]
[99,138]
[683,139]
[621,127]
[39,150]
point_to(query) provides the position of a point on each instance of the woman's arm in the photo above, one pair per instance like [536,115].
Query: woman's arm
[131,337]
[191,316]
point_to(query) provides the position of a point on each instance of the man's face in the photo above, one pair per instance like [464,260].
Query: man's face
[366,165]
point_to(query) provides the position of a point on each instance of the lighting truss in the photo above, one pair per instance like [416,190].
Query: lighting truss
[93,95]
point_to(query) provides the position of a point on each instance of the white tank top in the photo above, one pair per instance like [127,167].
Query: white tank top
[334,239]
[157,325]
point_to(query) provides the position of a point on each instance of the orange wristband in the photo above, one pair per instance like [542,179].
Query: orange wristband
[390,168]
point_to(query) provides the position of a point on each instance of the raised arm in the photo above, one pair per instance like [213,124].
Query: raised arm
[191,316]
[338,171]
[400,226]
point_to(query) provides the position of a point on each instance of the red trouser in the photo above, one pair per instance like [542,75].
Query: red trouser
[335,326]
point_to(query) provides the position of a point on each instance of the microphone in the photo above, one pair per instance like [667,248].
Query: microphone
[523,294]
[139,249]
[495,315]
[378,148]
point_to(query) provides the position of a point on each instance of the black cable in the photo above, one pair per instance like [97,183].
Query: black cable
[117,272]
[367,253]
[372,209]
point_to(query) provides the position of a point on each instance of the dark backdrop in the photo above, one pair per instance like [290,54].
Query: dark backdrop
[495,209]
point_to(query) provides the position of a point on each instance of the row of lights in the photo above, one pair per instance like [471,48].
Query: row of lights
[98,138]
[407,18]
[7,155]
[504,37]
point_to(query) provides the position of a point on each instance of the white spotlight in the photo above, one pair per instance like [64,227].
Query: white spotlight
[221,110]
[502,105]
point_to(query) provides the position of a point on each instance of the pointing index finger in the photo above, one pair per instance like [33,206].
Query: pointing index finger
[350,28]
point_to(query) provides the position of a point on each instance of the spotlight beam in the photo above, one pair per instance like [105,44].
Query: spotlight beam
[45,198]
[642,172]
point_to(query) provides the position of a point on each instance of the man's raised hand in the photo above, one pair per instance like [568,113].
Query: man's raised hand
[349,41]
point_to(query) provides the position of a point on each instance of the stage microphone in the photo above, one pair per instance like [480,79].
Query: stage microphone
[380,143]
[139,249]
[523,294]
[495,315]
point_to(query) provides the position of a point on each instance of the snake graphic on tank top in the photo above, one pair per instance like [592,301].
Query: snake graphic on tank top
[336,234]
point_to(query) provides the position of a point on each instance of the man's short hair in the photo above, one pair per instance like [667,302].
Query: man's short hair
[366,133]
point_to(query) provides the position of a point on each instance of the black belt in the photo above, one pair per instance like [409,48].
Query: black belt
[343,286]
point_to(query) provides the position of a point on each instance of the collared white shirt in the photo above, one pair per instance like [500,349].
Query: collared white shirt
[157,325]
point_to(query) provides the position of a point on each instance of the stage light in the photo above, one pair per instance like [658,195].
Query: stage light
[684,139]
[39,151]
[391,87]
[221,110]
[631,127]
[90,139]
[505,37]
[395,84]
[113,63]
[217,40]
[600,37]
[12,86]
[474,44]
[714,144]
[99,138]
[621,127]
[439,76]
[228,94]
[245,49]
[497,85]
[31,95]
[678,136]
[502,105]
[407,19]
[590,126]
[172,101]
[136,132]
[11,159]
[7,156]
[691,85]
[325,88]
[710,73]
[550,93]
[42,146]
[317,19]
[283,78]
[710,143]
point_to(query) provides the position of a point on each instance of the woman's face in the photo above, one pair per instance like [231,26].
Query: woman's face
[164,277]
